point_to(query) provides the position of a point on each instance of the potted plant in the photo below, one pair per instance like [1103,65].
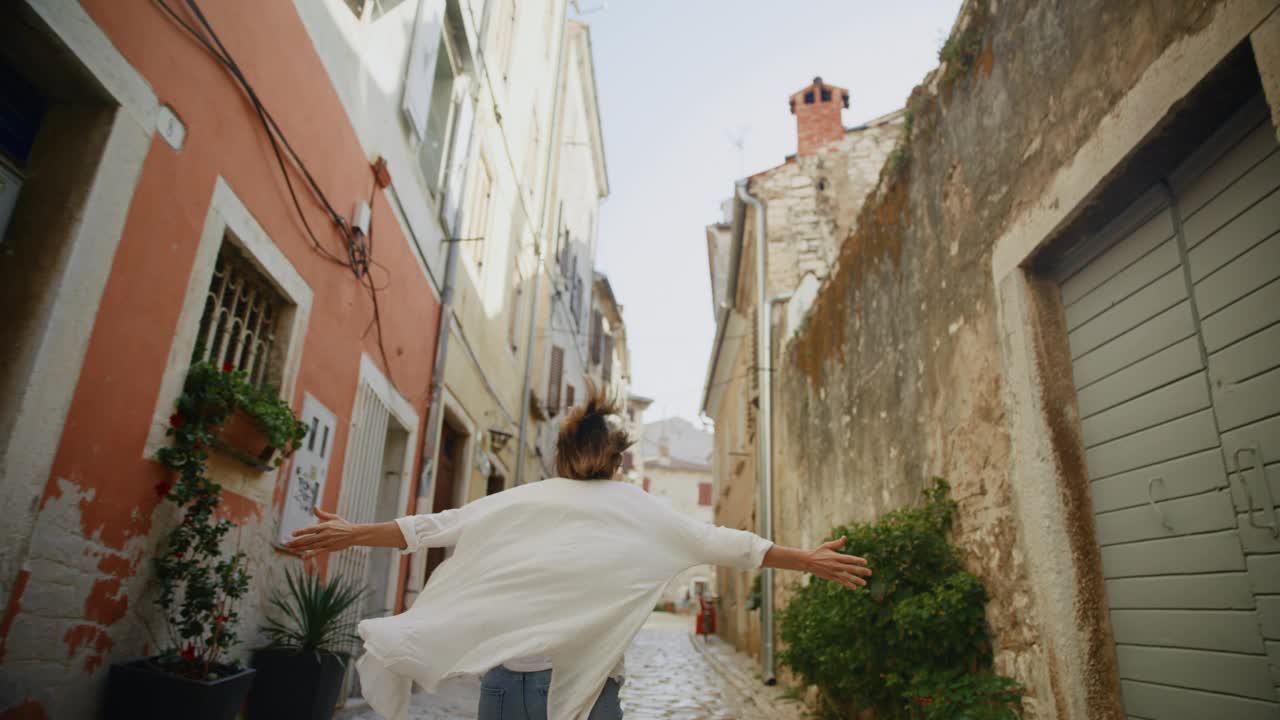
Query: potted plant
[252,423]
[199,583]
[300,672]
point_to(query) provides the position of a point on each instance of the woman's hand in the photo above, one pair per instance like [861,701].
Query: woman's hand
[332,534]
[826,561]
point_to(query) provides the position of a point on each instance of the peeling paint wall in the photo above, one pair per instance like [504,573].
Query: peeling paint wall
[897,374]
[84,594]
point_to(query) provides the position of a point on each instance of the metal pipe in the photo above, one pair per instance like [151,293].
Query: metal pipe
[552,135]
[764,461]
[435,414]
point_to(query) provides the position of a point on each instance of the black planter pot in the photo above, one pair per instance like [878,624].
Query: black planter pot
[140,690]
[295,685]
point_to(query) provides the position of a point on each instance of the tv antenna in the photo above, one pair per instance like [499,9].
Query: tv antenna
[738,138]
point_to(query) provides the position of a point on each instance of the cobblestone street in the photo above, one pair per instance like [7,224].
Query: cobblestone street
[668,678]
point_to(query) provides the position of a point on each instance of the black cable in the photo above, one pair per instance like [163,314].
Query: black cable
[359,253]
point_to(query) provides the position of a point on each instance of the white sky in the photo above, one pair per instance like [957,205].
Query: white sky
[676,80]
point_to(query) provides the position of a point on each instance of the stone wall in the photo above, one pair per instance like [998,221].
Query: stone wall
[896,373]
[812,200]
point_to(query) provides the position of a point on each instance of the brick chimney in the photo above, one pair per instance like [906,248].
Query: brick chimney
[817,110]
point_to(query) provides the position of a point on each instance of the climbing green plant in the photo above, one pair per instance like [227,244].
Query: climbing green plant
[914,644]
[199,584]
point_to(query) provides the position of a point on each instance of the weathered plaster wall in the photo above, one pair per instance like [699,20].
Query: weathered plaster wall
[897,373]
[83,597]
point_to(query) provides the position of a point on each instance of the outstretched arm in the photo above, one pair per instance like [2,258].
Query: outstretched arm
[825,561]
[334,533]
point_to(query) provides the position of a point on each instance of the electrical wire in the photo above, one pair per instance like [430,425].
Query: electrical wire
[358,250]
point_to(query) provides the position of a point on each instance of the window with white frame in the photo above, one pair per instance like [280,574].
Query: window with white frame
[441,130]
[240,321]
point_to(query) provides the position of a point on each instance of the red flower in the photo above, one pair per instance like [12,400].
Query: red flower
[189,652]
[923,701]
[163,488]
[221,618]
[177,420]
[197,445]
[227,367]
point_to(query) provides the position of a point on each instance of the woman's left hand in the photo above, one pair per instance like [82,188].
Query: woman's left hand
[332,534]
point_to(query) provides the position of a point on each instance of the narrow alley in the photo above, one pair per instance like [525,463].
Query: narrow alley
[671,675]
[929,352]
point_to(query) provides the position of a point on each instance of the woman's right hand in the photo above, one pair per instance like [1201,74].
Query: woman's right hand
[330,535]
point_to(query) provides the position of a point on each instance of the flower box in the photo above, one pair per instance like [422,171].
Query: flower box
[241,438]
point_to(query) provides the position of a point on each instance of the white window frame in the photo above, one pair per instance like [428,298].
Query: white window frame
[450,126]
[230,221]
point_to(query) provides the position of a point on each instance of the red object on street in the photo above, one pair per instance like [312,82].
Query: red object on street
[706,623]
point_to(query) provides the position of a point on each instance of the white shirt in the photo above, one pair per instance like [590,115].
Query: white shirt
[564,569]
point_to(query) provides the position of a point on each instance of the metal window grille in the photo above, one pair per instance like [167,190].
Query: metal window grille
[241,314]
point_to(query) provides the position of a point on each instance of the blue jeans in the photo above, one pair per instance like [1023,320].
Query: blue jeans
[509,695]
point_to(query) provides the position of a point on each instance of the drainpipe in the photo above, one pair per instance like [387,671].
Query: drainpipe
[764,461]
[435,415]
[552,135]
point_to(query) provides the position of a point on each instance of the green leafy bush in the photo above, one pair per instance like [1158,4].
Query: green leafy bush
[199,584]
[915,640]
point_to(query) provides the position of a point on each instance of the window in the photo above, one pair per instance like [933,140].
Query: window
[496,483]
[628,460]
[476,222]
[704,494]
[647,484]
[241,312]
[441,116]
[553,382]
[597,336]
[575,293]
[826,95]
[808,98]
[606,372]
[568,396]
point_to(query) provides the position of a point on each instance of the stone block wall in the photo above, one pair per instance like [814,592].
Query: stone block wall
[896,373]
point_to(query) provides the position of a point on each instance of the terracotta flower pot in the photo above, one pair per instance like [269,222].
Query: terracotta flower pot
[241,438]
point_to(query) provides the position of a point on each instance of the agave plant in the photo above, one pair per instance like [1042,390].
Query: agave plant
[313,614]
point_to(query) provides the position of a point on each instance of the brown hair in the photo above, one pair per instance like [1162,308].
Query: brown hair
[588,448]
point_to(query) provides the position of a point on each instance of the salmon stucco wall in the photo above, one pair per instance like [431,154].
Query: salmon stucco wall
[84,596]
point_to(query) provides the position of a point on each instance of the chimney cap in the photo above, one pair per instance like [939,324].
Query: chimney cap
[825,92]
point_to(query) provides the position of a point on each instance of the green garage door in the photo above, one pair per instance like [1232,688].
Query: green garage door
[1174,332]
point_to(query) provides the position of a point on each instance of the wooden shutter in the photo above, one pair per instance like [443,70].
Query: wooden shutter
[607,371]
[704,494]
[597,335]
[568,396]
[421,74]
[556,376]
[456,179]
